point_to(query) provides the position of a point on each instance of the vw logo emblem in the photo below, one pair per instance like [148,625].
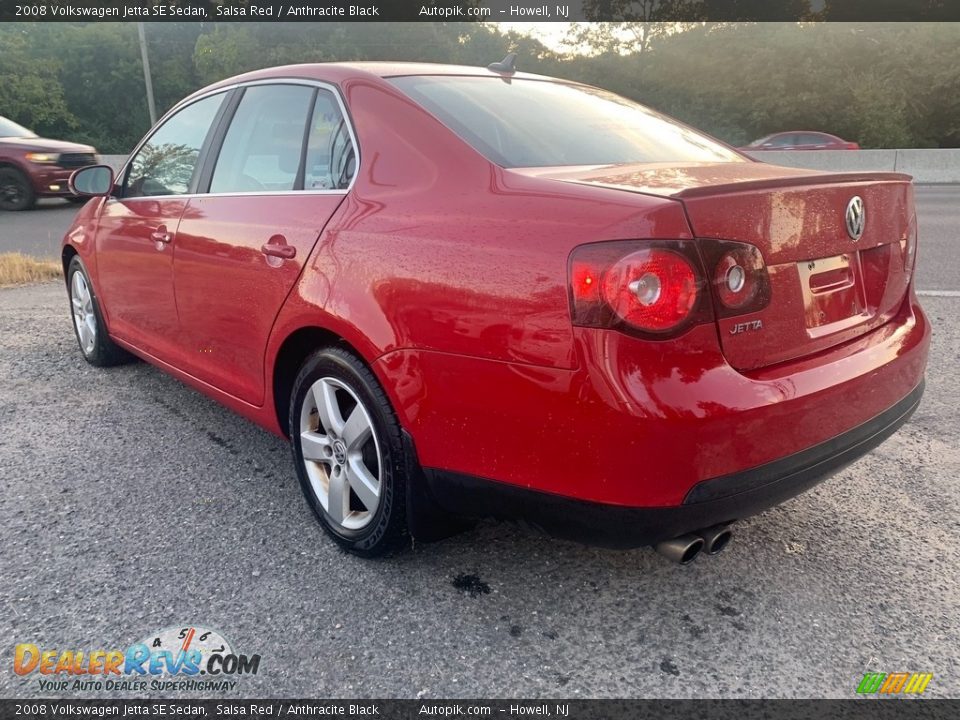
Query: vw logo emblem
[856,217]
[339,452]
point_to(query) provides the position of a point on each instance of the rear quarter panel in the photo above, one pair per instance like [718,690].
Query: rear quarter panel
[437,250]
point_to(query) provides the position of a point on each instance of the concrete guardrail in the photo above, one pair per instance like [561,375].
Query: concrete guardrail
[928,166]
[114,161]
[931,166]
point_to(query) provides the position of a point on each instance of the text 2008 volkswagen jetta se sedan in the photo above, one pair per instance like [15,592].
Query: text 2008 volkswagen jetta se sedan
[466,291]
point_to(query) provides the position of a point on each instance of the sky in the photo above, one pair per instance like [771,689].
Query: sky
[550,34]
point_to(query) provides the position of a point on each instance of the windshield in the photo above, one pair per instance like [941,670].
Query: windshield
[534,123]
[8,128]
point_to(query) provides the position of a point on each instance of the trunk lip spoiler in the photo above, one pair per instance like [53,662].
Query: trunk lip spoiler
[776,183]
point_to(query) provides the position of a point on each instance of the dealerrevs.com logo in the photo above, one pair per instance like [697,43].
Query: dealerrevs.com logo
[183,658]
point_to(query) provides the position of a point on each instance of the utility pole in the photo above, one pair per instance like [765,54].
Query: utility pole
[147,79]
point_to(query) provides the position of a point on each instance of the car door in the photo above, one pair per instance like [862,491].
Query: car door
[137,229]
[281,167]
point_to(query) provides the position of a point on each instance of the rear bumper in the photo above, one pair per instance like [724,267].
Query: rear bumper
[641,424]
[709,502]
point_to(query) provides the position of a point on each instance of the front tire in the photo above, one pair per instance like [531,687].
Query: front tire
[348,452]
[95,345]
[16,190]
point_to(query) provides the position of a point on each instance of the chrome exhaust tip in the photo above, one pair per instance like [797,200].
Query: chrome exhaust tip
[715,538]
[682,550]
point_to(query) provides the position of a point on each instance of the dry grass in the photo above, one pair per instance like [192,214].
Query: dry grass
[20,269]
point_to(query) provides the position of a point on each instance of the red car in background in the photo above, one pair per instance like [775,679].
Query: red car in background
[800,140]
[32,167]
[463,291]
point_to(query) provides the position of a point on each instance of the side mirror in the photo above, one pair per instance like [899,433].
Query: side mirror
[93,181]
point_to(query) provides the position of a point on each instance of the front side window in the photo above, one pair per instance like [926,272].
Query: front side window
[264,144]
[533,123]
[784,140]
[166,163]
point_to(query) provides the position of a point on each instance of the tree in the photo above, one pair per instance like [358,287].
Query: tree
[884,85]
[30,91]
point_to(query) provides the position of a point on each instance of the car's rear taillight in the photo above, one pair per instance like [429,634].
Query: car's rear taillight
[652,289]
[738,276]
[658,289]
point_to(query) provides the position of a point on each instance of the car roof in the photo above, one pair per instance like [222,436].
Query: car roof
[338,72]
[802,132]
[395,69]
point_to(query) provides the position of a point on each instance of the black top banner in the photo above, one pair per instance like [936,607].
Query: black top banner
[480,10]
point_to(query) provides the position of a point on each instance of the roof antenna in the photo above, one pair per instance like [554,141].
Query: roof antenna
[507,65]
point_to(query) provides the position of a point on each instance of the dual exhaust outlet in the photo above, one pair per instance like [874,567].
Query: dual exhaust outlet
[685,548]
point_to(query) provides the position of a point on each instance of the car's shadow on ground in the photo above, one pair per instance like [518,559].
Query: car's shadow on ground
[253,466]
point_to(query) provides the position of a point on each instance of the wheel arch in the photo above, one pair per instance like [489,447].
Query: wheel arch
[294,349]
[66,257]
[8,163]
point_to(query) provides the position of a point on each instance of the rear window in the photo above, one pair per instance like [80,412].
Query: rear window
[534,123]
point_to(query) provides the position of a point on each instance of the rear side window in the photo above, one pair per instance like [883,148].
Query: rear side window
[533,123]
[264,143]
[166,163]
[331,156]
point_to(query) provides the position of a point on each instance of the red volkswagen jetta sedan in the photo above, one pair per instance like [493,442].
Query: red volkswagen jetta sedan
[467,292]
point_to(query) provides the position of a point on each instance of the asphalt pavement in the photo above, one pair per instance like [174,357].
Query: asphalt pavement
[130,503]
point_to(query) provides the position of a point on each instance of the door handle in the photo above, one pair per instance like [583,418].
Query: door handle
[274,248]
[161,235]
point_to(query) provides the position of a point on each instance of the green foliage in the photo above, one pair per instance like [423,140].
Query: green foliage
[30,90]
[884,85]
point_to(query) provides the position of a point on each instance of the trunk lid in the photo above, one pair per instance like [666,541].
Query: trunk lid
[826,288]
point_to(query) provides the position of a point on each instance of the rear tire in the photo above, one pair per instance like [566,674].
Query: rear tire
[348,452]
[91,332]
[16,190]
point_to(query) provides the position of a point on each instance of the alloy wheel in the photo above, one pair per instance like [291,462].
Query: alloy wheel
[84,318]
[341,453]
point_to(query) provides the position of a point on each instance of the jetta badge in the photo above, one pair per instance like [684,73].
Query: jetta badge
[748,326]
[856,217]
